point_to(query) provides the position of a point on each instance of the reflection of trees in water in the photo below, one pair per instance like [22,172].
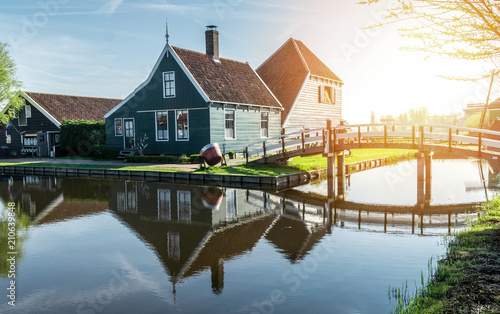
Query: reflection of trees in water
[22,223]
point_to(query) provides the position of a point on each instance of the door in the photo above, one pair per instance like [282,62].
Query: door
[129,137]
[43,150]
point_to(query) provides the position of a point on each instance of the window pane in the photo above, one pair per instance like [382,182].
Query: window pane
[162,125]
[229,123]
[118,127]
[169,84]
[182,125]
[264,124]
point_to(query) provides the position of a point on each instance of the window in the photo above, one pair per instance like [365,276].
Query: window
[164,212]
[182,125]
[162,126]
[264,124]
[173,246]
[28,111]
[183,205]
[22,118]
[168,84]
[118,127]
[327,94]
[229,121]
[231,204]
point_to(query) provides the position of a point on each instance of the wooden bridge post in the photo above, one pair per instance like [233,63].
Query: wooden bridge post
[428,178]
[340,176]
[420,180]
[330,161]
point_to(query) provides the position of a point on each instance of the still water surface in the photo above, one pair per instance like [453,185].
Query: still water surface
[111,246]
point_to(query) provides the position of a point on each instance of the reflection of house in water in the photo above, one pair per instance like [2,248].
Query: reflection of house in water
[193,229]
[47,199]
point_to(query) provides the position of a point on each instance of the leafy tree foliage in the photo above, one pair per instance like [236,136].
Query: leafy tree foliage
[9,86]
[462,29]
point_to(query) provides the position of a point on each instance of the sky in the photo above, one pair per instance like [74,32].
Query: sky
[106,48]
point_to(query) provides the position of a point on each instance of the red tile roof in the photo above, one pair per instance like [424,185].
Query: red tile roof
[315,65]
[74,107]
[286,70]
[228,80]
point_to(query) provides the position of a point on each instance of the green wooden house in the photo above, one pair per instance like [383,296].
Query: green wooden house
[191,99]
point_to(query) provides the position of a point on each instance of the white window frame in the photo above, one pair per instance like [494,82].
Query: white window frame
[19,118]
[121,129]
[268,118]
[156,126]
[234,124]
[176,125]
[165,84]
[27,109]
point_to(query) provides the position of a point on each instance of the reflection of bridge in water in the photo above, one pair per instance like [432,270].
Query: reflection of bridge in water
[193,229]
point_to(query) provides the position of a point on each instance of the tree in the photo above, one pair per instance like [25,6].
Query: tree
[461,29]
[372,117]
[9,86]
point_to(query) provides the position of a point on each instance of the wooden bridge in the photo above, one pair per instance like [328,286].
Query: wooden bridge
[332,142]
[458,141]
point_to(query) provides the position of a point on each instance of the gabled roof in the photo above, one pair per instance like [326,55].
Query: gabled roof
[60,107]
[286,71]
[227,80]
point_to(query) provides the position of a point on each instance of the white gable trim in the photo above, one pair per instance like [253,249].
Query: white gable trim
[43,111]
[166,51]
[296,99]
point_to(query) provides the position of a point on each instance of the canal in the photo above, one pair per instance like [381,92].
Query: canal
[116,246]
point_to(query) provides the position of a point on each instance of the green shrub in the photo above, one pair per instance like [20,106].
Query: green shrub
[79,136]
[231,154]
[194,158]
[98,152]
[183,160]
[110,153]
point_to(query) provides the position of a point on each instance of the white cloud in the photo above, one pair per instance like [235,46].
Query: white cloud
[110,7]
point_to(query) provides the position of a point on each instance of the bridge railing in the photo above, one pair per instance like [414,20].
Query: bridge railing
[350,135]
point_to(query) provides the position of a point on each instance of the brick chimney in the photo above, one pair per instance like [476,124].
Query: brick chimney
[212,41]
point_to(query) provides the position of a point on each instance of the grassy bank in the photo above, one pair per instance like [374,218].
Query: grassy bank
[467,280]
[56,165]
[296,165]
[319,162]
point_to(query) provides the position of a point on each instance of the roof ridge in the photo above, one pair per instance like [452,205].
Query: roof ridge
[28,92]
[269,58]
[300,54]
[201,53]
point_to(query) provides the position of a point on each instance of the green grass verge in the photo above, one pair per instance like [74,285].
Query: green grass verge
[251,169]
[467,279]
[50,165]
[319,162]
[296,165]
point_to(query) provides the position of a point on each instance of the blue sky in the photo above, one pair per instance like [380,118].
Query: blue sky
[106,48]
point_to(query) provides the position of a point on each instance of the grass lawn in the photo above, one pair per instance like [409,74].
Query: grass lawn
[318,161]
[49,165]
[297,164]
[251,169]
[467,280]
